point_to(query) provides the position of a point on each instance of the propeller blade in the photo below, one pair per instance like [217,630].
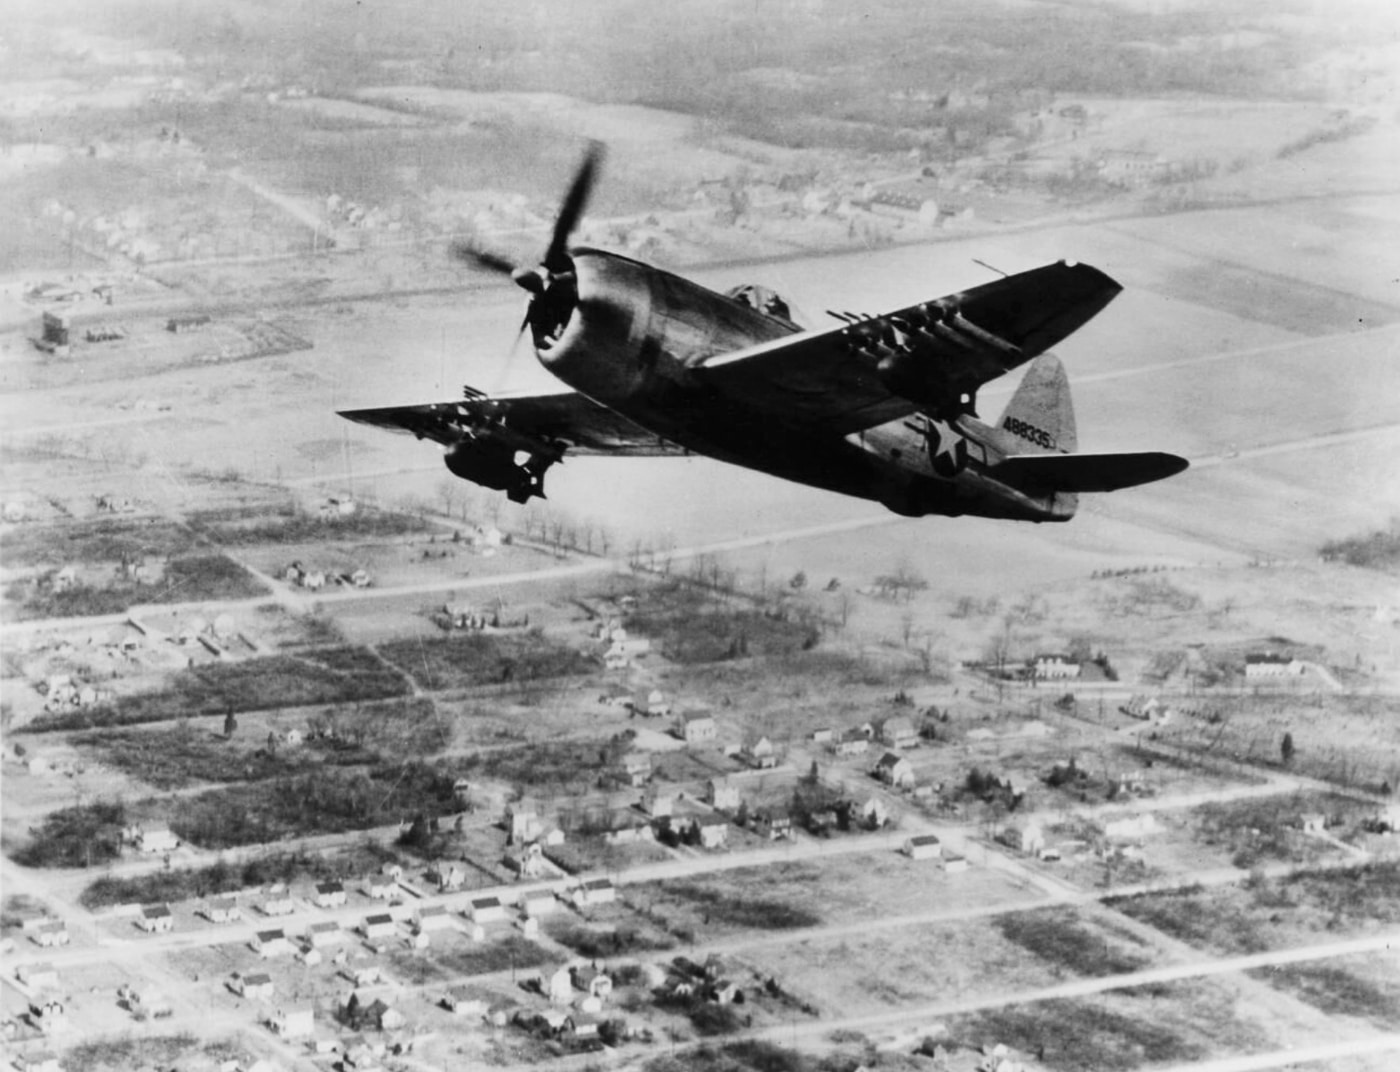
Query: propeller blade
[477,257]
[556,258]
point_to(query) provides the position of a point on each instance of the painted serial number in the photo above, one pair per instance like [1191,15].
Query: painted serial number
[1029,432]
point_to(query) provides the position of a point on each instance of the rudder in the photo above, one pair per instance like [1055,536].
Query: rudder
[1040,415]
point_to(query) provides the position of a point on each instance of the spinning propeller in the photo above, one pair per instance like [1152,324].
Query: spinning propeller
[551,283]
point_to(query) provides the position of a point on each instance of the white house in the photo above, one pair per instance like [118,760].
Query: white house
[294,1022]
[1055,666]
[697,728]
[1269,665]
[156,919]
[271,943]
[595,891]
[378,926]
[330,894]
[256,986]
[895,770]
[223,910]
[323,934]
[487,910]
[899,732]
[538,903]
[723,794]
[923,847]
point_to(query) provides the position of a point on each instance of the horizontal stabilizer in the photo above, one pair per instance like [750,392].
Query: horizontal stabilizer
[1045,474]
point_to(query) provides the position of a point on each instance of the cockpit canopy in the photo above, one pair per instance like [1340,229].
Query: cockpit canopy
[757,296]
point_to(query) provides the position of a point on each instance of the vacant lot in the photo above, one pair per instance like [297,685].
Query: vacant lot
[332,675]
[456,662]
[1271,913]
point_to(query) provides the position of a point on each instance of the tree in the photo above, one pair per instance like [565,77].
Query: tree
[799,580]
[230,724]
[1286,749]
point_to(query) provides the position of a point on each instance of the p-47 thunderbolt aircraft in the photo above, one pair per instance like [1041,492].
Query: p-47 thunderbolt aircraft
[879,407]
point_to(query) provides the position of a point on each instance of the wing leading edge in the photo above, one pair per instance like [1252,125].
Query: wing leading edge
[562,421]
[933,356]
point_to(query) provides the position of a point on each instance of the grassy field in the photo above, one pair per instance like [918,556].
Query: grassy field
[1367,988]
[324,676]
[1267,914]
[456,662]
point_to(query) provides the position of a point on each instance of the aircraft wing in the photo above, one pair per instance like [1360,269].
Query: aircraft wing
[565,420]
[929,356]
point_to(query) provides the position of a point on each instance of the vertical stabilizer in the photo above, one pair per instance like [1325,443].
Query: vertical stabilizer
[1040,415]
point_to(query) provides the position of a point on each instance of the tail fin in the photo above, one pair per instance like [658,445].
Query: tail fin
[1040,415]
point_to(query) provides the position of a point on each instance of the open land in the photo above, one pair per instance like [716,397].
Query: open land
[308,745]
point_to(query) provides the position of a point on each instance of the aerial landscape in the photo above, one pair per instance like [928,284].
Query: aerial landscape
[317,756]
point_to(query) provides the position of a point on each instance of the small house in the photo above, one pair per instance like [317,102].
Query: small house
[256,985]
[279,903]
[295,1022]
[461,1001]
[487,910]
[523,822]
[538,903]
[560,987]
[899,732]
[1267,665]
[157,839]
[713,831]
[923,847]
[323,934]
[591,980]
[595,891]
[223,910]
[526,862]
[1027,838]
[697,728]
[953,863]
[156,919]
[52,933]
[854,745]
[40,975]
[1055,666]
[825,735]
[874,814]
[271,943]
[774,827]
[895,771]
[378,926]
[659,802]
[636,768]
[723,794]
[433,918]
[381,887]
[330,894]
[450,879]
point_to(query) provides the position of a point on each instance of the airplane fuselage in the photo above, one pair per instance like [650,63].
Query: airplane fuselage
[639,334]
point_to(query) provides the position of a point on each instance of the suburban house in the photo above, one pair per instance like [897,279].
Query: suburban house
[329,894]
[899,732]
[1028,838]
[280,903]
[487,910]
[47,1014]
[773,827]
[823,736]
[272,943]
[650,704]
[895,770]
[40,975]
[874,814]
[52,933]
[591,980]
[713,831]
[526,862]
[257,986]
[1055,666]
[560,987]
[158,838]
[697,728]
[450,879]
[462,1001]
[223,910]
[595,891]
[723,794]
[853,744]
[954,862]
[1267,665]
[433,918]
[658,802]
[381,887]
[156,919]
[923,847]
[378,926]
[523,821]
[294,1023]
[538,903]
[322,934]
[636,768]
